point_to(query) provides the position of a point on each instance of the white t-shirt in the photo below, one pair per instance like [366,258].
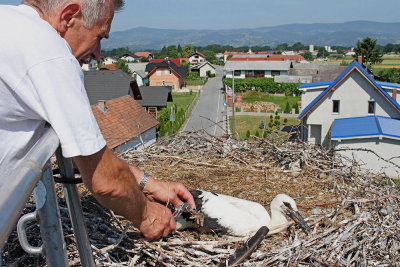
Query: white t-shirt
[40,81]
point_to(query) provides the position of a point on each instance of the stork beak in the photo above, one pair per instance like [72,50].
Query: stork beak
[295,215]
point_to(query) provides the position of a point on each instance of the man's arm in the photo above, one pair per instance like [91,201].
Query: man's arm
[164,192]
[114,186]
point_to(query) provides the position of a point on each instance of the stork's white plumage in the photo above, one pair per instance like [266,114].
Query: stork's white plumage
[226,214]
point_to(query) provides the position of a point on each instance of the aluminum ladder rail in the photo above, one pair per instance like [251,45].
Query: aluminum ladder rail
[17,186]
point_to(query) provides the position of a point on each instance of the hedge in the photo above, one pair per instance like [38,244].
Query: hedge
[267,85]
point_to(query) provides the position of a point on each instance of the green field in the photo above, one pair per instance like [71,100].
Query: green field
[388,62]
[182,100]
[252,123]
[253,96]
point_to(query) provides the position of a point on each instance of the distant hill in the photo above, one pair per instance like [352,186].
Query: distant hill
[344,34]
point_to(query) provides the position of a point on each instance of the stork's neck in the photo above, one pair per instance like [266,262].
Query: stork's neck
[278,222]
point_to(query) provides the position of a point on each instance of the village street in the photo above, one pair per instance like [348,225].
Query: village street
[209,113]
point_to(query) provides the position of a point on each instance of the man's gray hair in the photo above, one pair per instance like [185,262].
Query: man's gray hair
[92,10]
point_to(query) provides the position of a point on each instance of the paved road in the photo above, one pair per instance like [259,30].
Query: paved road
[209,114]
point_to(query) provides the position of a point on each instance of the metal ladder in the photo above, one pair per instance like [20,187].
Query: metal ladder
[35,174]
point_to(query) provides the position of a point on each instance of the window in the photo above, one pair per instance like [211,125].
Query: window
[371,107]
[336,106]
[237,73]
[158,72]
[275,72]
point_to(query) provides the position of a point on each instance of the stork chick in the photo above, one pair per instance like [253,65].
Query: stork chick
[225,214]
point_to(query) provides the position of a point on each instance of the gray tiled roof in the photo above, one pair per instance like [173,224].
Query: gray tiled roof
[107,85]
[155,96]
[139,68]
[257,65]
[182,71]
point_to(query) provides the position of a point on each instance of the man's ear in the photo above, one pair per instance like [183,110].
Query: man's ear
[68,16]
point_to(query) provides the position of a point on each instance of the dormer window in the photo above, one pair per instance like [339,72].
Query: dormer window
[336,106]
[371,107]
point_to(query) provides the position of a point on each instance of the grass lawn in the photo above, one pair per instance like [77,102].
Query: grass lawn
[388,62]
[182,100]
[253,96]
[252,123]
[198,81]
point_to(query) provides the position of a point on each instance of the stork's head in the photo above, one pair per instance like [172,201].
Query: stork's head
[286,205]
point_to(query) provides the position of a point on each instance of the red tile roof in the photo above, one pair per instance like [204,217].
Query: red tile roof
[109,67]
[176,61]
[142,54]
[123,120]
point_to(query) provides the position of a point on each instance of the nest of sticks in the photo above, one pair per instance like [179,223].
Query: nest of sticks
[354,214]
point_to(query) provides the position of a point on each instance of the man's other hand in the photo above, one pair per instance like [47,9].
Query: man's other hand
[157,221]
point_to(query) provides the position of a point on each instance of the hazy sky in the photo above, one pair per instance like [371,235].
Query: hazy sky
[230,14]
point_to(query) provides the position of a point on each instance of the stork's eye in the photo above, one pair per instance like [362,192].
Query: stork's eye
[287,204]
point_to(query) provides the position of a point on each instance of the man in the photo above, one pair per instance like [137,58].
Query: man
[41,81]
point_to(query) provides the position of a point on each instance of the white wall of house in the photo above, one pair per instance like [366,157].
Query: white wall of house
[138,143]
[386,148]
[353,93]
[196,59]
[109,60]
[140,81]
[268,74]
[205,68]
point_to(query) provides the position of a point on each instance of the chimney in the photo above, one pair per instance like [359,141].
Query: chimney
[101,104]
[394,94]
[359,59]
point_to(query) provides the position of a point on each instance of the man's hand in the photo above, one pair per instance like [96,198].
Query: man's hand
[164,192]
[113,184]
[157,221]
[168,192]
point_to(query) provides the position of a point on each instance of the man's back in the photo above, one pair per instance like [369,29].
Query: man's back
[40,80]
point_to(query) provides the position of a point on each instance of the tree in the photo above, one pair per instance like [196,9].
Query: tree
[369,52]
[164,52]
[144,59]
[121,64]
[287,107]
[322,52]
[210,55]
[308,56]
[187,50]
[298,46]
[172,51]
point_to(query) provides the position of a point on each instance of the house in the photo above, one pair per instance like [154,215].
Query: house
[166,73]
[308,73]
[197,57]
[109,60]
[176,61]
[92,65]
[203,69]
[354,111]
[139,73]
[104,85]
[124,124]
[256,69]
[155,98]
[271,57]
[130,57]
[141,55]
[109,67]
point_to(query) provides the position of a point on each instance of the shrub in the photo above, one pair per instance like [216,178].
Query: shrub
[287,107]
[285,121]
[257,134]
[248,133]
[261,125]
[265,134]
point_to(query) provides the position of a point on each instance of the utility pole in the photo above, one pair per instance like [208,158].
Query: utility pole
[233,104]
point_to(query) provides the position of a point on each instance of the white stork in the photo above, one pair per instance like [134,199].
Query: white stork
[235,216]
